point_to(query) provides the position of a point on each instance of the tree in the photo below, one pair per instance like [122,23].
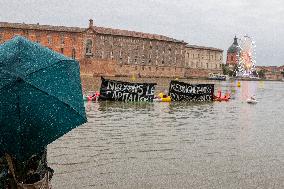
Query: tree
[261,74]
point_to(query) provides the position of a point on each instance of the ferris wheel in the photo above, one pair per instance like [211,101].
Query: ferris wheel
[246,57]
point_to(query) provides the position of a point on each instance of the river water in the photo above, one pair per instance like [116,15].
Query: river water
[177,145]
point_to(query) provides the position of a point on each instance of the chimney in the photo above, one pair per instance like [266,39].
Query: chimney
[91,23]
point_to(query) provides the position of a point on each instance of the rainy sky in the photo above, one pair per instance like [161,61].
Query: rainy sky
[200,22]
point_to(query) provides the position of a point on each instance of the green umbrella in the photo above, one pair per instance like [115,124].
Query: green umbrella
[40,97]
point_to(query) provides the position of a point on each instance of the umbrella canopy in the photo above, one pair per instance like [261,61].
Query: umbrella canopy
[40,97]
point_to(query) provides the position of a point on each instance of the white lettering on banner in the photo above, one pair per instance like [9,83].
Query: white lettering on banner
[182,91]
[124,91]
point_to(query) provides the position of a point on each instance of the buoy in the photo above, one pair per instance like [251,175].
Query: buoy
[239,84]
[133,77]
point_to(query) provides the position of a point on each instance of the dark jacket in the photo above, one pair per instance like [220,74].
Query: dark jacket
[28,172]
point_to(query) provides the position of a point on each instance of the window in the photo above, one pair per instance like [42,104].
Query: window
[74,40]
[62,50]
[187,55]
[49,40]
[111,55]
[120,54]
[163,62]
[1,37]
[102,54]
[89,47]
[73,53]
[37,38]
[207,65]
[62,39]
[143,59]
[128,59]
[232,58]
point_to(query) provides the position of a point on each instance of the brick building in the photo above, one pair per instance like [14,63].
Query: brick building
[233,54]
[114,52]
[272,72]
[200,61]
[106,51]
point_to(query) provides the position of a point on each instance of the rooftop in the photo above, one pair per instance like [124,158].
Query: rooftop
[204,48]
[100,30]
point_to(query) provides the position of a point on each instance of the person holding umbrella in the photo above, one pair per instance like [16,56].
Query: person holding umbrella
[40,100]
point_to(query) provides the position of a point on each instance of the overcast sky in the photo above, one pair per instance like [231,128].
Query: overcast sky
[200,22]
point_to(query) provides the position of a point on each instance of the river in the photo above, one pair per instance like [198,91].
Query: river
[177,145]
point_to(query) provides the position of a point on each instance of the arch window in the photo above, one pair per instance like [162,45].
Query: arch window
[89,47]
[73,53]
[49,39]
[62,39]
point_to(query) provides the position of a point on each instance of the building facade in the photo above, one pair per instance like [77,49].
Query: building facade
[106,51]
[200,61]
[113,52]
[233,54]
[272,72]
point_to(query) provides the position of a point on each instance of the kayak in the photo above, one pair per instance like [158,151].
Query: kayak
[165,99]
[93,97]
[221,98]
[90,98]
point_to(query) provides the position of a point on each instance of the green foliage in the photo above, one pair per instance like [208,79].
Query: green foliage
[227,71]
[261,74]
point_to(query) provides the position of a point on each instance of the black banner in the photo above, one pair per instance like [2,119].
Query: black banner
[180,91]
[124,91]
